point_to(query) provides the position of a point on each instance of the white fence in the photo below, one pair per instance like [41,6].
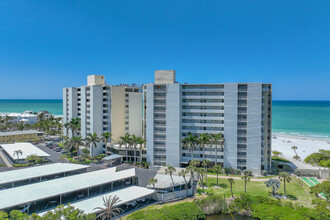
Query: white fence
[165,197]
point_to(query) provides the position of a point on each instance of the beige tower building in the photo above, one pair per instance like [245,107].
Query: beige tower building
[102,107]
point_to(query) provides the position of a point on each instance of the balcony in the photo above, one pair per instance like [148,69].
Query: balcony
[215,125]
[159,97]
[202,104]
[216,118]
[203,110]
[202,97]
[200,131]
[203,90]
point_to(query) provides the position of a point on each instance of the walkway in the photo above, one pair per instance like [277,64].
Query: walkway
[239,178]
[5,159]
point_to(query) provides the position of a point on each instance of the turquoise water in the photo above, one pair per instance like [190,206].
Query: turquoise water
[53,106]
[298,118]
[302,118]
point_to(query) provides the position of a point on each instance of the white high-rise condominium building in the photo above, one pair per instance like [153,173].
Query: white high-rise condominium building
[241,111]
[102,107]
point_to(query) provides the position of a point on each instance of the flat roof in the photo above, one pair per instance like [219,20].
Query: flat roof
[164,181]
[126,195]
[112,157]
[29,193]
[7,133]
[26,148]
[38,171]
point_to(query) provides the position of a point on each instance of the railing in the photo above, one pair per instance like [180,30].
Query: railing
[177,195]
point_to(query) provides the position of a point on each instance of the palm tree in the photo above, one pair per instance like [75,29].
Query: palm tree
[246,179]
[32,158]
[75,142]
[205,163]
[191,169]
[73,125]
[201,172]
[92,139]
[125,140]
[190,142]
[18,152]
[215,140]
[152,181]
[107,137]
[170,170]
[276,153]
[41,117]
[294,148]
[231,182]
[141,142]
[285,177]
[217,169]
[109,210]
[202,141]
[184,173]
[296,157]
[274,183]
[134,141]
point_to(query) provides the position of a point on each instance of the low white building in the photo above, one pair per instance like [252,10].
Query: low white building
[26,149]
[25,117]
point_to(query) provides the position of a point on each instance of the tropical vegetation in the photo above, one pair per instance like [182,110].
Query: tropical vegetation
[321,158]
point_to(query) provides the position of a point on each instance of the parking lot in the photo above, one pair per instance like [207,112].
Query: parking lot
[54,156]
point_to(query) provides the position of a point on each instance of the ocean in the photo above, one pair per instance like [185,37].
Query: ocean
[295,118]
[54,106]
[302,118]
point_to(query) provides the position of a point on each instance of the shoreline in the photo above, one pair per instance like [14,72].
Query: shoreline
[305,147]
[301,137]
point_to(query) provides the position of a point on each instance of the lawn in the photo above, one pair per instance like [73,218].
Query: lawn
[294,190]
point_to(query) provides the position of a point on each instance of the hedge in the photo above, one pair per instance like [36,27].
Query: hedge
[182,211]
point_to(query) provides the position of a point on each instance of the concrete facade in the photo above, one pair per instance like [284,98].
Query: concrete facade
[104,108]
[241,111]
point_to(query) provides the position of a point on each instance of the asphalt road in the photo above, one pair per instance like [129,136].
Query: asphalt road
[54,156]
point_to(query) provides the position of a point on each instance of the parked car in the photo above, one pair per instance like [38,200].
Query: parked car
[54,146]
[57,149]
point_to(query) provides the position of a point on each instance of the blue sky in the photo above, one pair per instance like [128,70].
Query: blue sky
[48,45]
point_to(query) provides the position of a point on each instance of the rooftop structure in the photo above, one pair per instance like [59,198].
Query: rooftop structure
[27,149]
[165,181]
[104,108]
[126,195]
[19,136]
[25,117]
[10,177]
[59,187]
[9,133]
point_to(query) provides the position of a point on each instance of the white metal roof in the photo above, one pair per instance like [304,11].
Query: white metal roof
[126,195]
[26,148]
[38,191]
[34,172]
[164,181]
[8,133]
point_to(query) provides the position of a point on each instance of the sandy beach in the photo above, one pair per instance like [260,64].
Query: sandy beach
[306,146]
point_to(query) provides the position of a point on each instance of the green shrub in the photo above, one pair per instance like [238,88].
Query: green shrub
[322,158]
[22,164]
[265,211]
[212,204]
[279,159]
[40,161]
[182,211]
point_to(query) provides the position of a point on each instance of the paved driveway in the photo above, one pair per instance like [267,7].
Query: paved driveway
[54,156]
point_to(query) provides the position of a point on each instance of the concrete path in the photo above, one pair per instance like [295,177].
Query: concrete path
[239,178]
[5,159]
